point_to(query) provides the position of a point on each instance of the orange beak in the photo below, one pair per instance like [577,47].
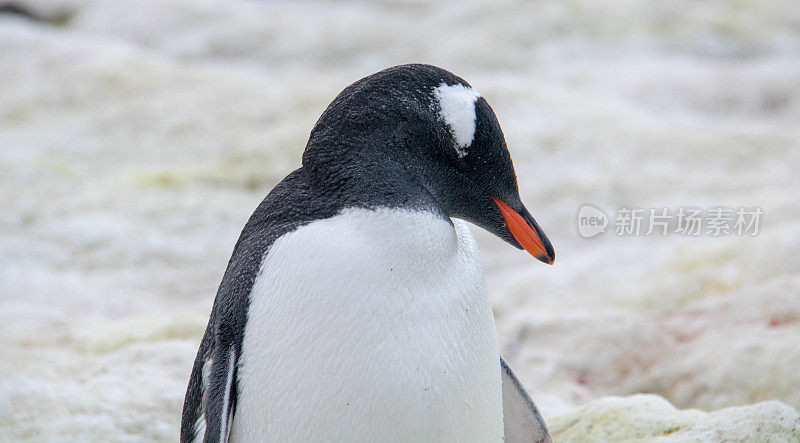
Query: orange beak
[527,233]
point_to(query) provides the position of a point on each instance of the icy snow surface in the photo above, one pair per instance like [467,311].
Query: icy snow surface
[136,137]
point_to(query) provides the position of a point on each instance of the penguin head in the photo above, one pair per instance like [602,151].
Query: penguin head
[422,124]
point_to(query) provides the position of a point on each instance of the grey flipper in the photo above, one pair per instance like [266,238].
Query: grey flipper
[521,419]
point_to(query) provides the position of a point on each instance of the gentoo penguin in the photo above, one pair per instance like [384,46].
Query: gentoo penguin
[354,306]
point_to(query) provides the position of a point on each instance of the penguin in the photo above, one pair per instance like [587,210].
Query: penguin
[354,307]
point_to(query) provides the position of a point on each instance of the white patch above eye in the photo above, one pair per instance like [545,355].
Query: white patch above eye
[457,111]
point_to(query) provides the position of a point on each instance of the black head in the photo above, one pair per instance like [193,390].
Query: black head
[417,135]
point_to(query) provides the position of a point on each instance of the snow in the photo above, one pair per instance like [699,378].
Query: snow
[644,417]
[137,137]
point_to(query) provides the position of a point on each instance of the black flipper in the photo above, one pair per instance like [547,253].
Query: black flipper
[193,422]
[521,419]
[220,396]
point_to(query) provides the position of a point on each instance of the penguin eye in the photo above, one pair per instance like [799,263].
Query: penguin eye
[454,159]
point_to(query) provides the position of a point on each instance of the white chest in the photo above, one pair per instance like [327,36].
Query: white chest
[372,325]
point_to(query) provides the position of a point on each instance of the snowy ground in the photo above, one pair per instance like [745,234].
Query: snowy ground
[137,137]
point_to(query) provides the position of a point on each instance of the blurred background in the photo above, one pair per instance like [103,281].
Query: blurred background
[137,137]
